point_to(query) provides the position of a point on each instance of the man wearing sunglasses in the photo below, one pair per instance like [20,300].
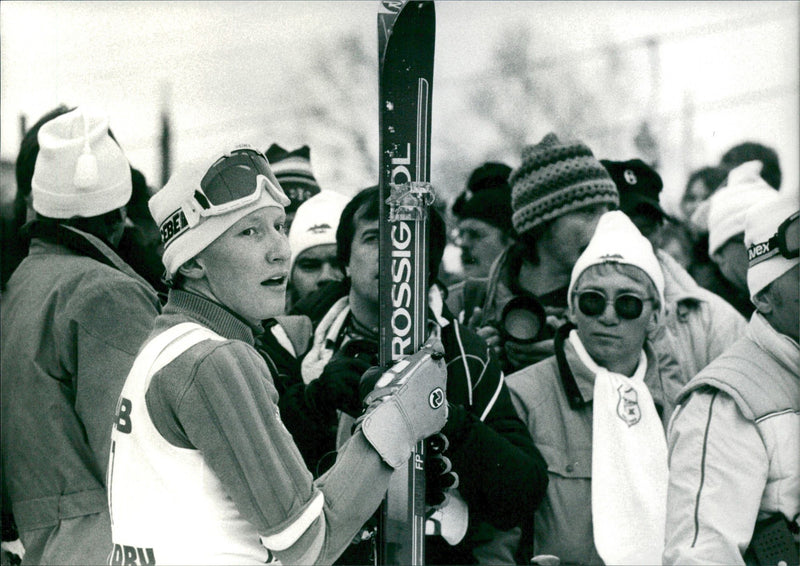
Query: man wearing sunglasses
[734,486]
[598,408]
[698,325]
[202,469]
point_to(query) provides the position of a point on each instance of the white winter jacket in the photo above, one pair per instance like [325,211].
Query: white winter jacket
[734,449]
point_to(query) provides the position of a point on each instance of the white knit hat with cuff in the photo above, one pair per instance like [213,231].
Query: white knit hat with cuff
[80,170]
[315,222]
[727,206]
[617,240]
[185,234]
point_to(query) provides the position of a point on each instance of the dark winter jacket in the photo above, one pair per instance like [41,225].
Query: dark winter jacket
[73,317]
[502,476]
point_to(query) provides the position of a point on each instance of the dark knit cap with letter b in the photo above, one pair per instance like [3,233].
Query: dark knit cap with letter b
[555,178]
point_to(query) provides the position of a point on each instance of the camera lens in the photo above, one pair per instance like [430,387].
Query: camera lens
[523,319]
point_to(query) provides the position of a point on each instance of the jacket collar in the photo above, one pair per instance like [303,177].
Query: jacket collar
[578,380]
[48,237]
[211,314]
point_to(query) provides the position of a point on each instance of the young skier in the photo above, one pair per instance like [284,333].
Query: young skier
[202,469]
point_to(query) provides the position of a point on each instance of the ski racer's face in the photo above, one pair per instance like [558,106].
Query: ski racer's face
[363,267]
[246,268]
[480,243]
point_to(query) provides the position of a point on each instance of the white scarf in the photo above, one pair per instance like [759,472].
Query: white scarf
[320,353]
[328,329]
[629,466]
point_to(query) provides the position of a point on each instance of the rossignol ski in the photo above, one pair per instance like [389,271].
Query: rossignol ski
[406,33]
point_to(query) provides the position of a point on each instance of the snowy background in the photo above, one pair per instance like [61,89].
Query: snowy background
[677,83]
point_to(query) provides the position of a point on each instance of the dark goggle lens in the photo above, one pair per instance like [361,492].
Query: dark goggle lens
[789,237]
[232,177]
[593,304]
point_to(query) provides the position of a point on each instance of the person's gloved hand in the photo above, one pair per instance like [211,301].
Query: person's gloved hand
[361,349]
[439,475]
[407,404]
[338,386]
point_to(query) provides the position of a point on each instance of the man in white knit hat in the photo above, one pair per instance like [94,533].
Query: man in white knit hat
[74,315]
[312,239]
[734,488]
[727,210]
[203,470]
[598,408]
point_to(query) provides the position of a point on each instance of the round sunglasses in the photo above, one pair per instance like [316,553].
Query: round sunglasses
[628,307]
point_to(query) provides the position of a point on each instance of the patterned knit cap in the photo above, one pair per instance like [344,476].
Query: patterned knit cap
[294,173]
[555,178]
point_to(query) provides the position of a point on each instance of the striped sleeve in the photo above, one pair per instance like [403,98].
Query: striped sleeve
[228,410]
[717,472]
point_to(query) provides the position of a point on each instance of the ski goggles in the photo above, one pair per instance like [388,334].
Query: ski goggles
[785,242]
[628,307]
[233,181]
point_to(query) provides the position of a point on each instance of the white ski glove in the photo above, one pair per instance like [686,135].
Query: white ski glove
[407,404]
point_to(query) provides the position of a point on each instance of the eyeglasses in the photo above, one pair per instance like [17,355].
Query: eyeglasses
[785,242]
[628,307]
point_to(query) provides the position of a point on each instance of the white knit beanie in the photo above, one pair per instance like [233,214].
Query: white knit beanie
[617,240]
[315,222]
[760,224]
[727,206]
[80,170]
[183,241]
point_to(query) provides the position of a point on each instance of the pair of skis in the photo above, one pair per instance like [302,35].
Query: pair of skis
[406,32]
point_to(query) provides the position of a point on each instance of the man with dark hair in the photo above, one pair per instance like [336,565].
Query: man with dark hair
[483,212]
[139,246]
[734,443]
[754,151]
[74,315]
[15,248]
[501,475]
